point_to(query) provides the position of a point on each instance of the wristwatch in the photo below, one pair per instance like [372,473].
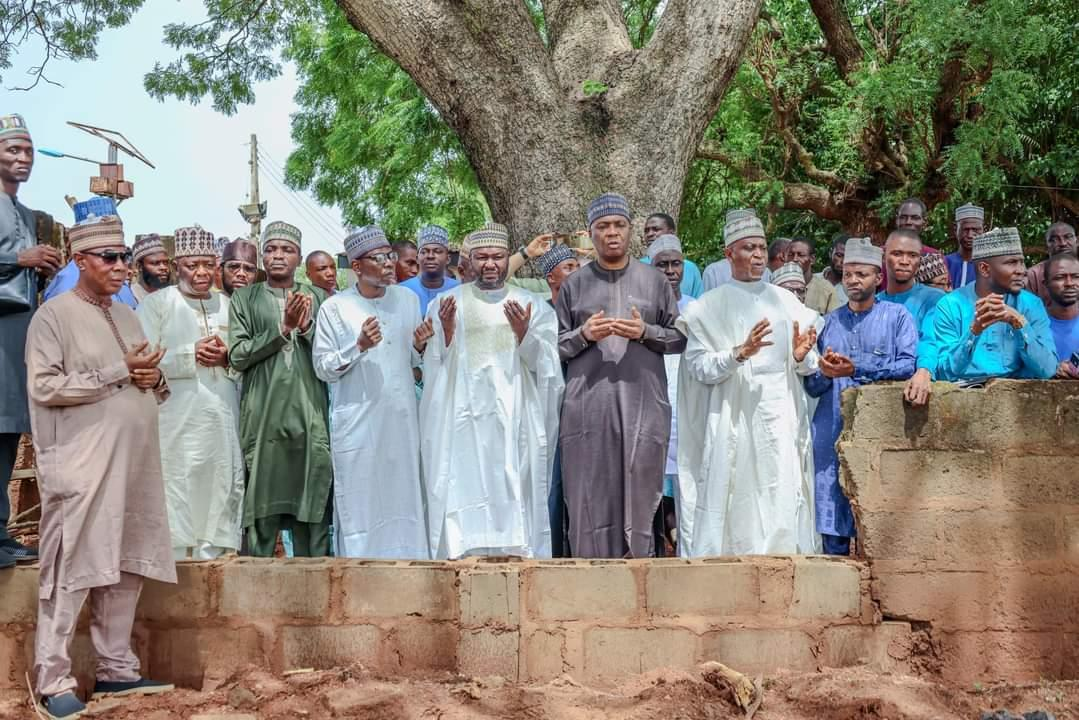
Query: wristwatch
[524,253]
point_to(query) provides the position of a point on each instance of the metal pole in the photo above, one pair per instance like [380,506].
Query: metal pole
[256,224]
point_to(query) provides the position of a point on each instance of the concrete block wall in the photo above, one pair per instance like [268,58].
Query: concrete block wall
[969,517]
[597,621]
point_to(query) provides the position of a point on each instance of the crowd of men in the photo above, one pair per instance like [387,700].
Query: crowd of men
[614,408]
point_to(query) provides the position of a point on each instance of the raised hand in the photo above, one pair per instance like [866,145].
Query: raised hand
[43,258]
[804,342]
[519,318]
[447,315]
[539,245]
[757,339]
[212,352]
[834,365]
[597,327]
[631,329]
[423,332]
[370,334]
[295,306]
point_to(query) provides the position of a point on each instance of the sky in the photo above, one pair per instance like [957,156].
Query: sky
[201,156]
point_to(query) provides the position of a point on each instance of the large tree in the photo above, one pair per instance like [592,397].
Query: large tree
[550,113]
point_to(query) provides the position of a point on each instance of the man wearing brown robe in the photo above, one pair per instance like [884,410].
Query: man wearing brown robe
[94,387]
[616,322]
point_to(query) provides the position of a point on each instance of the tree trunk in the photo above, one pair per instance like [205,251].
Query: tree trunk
[540,146]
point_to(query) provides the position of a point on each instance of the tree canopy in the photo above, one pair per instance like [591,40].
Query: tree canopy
[838,110]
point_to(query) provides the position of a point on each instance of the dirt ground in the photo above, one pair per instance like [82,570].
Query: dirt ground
[849,694]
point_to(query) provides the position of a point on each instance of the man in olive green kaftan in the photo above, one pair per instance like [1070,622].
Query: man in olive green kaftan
[283,430]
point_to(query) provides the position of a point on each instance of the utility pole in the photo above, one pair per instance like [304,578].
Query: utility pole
[255,210]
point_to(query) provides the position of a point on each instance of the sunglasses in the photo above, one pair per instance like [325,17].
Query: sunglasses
[381,258]
[111,256]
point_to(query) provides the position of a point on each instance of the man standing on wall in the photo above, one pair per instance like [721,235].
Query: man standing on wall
[969,224]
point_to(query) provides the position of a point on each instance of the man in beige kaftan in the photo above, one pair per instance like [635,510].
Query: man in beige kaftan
[94,387]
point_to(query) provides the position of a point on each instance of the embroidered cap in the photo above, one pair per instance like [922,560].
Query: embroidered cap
[969,212]
[789,273]
[13,127]
[433,235]
[664,243]
[862,251]
[363,240]
[741,224]
[102,233]
[996,243]
[146,245]
[193,241]
[278,230]
[554,257]
[608,204]
[491,235]
[931,267]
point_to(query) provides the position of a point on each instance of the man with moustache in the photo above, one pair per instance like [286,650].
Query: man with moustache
[239,265]
[864,341]
[616,322]
[151,264]
[1062,284]
[969,224]
[992,327]
[744,453]
[489,414]
[368,339]
[95,386]
[23,263]
[434,254]
[199,425]
[283,409]
[903,256]
[1059,238]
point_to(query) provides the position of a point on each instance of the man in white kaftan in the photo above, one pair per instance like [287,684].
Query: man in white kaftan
[199,426]
[489,414]
[745,463]
[367,341]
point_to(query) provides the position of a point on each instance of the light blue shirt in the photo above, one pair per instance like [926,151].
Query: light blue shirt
[68,277]
[1000,351]
[920,301]
[426,294]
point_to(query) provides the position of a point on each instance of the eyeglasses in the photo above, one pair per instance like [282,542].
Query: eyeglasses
[381,258]
[236,266]
[111,256]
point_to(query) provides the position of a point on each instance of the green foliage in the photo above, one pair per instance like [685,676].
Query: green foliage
[368,141]
[64,29]
[591,88]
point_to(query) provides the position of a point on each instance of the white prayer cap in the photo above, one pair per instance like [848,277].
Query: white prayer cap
[997,242]
[741,224]
[969,212]
[664,243]
[789,273]
[862,251]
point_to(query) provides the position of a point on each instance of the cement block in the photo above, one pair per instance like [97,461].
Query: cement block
[990,656]
[826,589]
[542,656]
[368,702]
[328,646]
[760,651]
[580,592]
[203,658]
[421,645]
[188,599]
[490,597]
[911,476]
[258,591]
[883,648]
[611,653]
[385,592]
[706,589]
[959,539]
[488,652]
[18,588]
[950,600]
[1041,480]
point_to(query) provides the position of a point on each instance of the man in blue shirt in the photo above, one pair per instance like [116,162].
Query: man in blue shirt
[862,342]
[903,256]
[1062,285]
[969,224]
[993,327]
[663,224]
[434,247]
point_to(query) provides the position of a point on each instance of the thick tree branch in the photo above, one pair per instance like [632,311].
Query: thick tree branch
[585,37]
[839,35]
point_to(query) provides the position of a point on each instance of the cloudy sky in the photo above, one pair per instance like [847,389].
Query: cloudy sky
[201,156]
